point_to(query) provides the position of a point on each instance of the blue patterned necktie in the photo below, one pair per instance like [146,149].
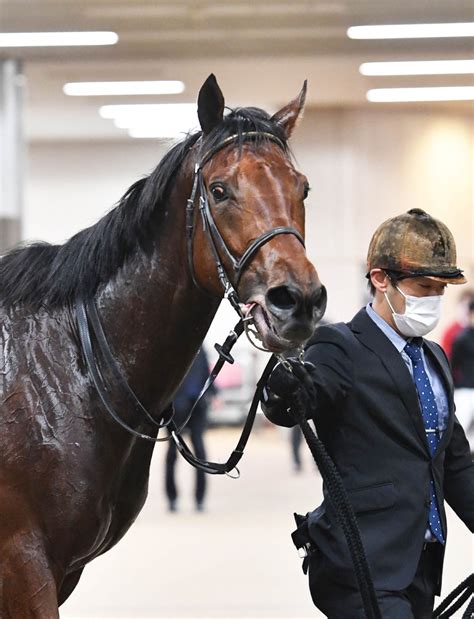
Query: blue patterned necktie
[430,421]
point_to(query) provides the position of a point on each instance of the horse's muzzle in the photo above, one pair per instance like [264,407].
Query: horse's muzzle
[295,312]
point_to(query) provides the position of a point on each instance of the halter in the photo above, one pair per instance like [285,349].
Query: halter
[216,242]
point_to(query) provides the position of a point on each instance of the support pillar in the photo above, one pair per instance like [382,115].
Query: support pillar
[11,152]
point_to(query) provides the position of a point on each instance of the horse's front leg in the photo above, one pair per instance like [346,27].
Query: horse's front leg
[28,587]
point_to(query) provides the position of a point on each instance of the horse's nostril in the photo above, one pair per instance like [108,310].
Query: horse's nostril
[320,299]
[320,296]
[282,298]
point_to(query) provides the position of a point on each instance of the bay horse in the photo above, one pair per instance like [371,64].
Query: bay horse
[72,481]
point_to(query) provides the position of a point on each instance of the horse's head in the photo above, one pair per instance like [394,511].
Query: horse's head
[253,215]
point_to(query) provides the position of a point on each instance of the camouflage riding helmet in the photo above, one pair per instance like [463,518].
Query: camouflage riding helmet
[415,245]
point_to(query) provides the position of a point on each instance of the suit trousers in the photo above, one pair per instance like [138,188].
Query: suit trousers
[339,601]
[196,428]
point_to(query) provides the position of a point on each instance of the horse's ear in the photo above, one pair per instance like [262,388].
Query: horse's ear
[289,115]
[210,104]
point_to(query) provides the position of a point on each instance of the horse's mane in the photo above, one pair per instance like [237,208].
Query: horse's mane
[41,274]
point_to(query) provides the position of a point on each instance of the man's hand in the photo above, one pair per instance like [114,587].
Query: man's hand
[281,390]
[284,383]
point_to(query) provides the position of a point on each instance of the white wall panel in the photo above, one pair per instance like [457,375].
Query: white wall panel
[71,185]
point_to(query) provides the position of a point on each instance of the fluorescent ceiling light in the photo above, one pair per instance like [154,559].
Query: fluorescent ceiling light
[412,31]
[55,39]
[439,93]
[418,67]
[150,109]
[96,89]
[155,129]
[138,112]
[165,120]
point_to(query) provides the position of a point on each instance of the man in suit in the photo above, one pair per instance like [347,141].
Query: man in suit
[385,413]
[183,402]
[462,363]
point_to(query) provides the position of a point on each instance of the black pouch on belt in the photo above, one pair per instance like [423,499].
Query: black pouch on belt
[302,540]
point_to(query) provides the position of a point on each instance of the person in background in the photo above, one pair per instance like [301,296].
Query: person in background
[462,363]
[385,413]
[185,398]
[461,321]
[296,437]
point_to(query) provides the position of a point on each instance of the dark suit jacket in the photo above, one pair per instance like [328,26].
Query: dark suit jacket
[370,421]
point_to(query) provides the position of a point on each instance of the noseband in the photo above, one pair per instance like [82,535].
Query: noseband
[216,242]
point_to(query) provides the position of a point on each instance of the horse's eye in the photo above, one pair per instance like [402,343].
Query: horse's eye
[306,191]
[219,193]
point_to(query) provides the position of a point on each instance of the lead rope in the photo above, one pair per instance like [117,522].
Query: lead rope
[462,592]
[305,401]
[305,407]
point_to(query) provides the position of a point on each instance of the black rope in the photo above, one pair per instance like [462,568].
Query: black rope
[462,592]
[469,614]
[304,402]
[304,407]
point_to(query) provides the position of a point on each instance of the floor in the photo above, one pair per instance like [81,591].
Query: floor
[236,558]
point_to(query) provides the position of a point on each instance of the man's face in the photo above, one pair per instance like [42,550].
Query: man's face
[415,287]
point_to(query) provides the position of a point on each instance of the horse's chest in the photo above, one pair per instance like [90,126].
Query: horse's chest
[102,493]
[124,499]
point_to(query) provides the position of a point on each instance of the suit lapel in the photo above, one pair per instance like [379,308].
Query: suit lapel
[372,337]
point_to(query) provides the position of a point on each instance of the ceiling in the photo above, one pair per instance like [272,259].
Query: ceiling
[261,51]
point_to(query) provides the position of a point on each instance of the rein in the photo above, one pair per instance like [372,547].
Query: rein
[91,331]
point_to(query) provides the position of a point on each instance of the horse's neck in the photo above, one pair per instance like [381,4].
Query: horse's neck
[155,319]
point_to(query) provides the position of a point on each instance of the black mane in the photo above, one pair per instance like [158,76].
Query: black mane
[41,274]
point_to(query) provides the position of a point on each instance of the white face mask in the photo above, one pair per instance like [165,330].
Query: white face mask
[421,315]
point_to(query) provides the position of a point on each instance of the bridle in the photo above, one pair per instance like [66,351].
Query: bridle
[90,329]
[216,242]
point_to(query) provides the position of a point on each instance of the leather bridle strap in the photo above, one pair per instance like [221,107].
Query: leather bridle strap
[88,321]
[97,378]
[224,356]
[111,363]
[264,238]
[218,468]
[217,244]
[247,135]
[87,316]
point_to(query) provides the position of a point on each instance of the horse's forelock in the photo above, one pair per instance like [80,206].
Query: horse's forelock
[241,120]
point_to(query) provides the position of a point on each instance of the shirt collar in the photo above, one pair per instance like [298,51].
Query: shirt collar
[397,340]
